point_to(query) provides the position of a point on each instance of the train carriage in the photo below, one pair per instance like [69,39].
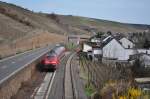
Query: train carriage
[52,59]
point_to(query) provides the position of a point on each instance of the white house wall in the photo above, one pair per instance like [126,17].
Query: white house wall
[143,51]
[125,42]
[86,48]
[114,50]
[129,52]
[97,51]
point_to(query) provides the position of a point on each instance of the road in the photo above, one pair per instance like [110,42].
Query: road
[13,64]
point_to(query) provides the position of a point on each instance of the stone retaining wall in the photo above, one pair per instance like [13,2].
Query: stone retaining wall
[10,87]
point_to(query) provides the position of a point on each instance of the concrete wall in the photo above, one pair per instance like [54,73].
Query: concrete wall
[97,51]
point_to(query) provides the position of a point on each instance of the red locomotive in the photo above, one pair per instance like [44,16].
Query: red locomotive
[52,59]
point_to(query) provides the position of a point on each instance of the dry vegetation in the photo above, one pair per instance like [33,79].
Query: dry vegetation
[109,81]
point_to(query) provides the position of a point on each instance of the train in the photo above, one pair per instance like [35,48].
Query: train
[52,59]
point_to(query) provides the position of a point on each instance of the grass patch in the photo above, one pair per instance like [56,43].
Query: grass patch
[89,90]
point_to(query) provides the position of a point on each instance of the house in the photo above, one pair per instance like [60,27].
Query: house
[86,47]
[92,50]
[112,48]
[97,53]
[127,43]
[109,48]
[116,51]
[145,60]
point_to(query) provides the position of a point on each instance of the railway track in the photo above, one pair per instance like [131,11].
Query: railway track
[53,80]
[44,89]
[69,84]
[73,85]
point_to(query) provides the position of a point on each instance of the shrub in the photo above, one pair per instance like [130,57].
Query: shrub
[121,90]
[89,89]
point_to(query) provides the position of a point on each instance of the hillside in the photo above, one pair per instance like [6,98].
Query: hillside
[85,23]
[19,24]
[16,22]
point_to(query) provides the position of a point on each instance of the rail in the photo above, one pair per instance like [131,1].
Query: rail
[69,90]
[43,91]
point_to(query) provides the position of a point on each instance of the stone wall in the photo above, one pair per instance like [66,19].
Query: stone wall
[11,85]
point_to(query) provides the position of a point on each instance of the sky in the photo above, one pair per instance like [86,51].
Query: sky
[126,11]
